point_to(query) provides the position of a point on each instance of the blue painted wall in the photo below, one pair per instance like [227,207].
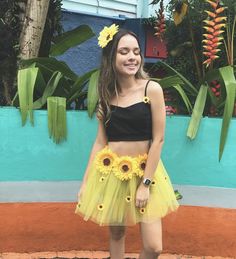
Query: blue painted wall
[27,153]
[86,56]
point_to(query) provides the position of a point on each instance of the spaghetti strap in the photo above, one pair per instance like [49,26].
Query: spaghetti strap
[145,93]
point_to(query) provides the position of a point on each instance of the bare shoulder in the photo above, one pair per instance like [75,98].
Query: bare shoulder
[154,89]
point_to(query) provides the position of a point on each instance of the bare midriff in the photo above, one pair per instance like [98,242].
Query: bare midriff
[130,148]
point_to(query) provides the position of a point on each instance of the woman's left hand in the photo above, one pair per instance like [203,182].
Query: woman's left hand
[142,196]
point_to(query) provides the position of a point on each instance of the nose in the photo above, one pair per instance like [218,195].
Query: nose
[131,55]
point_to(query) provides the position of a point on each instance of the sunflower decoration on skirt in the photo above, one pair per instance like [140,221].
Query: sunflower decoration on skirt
[104,160]
[141,161]
[124,167]
[142,210]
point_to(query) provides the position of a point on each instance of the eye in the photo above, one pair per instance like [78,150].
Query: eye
[123,51]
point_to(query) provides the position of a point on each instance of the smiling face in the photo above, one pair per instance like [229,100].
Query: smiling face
[128,59]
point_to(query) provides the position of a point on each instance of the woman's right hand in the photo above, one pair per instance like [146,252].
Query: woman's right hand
[81,190]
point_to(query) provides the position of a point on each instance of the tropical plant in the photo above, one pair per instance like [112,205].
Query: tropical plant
[208,78]
[160,21]
[12,15]
[9,35]
[215,23]
[27,30]
[46,78]
[57,118]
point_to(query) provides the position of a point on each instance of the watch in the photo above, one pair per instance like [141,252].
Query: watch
[146,182]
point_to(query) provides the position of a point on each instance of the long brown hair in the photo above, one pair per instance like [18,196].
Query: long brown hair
[107,84]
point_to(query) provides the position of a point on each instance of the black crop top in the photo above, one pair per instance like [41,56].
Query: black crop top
[131,123]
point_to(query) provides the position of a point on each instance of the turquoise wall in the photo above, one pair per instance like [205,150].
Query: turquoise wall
[27,153]
[196,162]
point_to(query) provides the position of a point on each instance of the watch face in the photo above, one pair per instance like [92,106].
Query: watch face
[146,181]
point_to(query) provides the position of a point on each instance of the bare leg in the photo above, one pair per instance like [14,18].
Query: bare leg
[117,242]
[152,240]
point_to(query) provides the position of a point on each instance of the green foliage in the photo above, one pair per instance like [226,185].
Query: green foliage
[177,35]
[51,64]
[92,93]
[9,35]
[197,112]
[184,43]
[44,79]
[70,39]
[227,73]
[26,82]
[45,82]
[10,29]
[57,118]
[52,27]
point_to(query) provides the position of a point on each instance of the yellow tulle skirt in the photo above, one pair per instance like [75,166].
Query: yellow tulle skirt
[109,195]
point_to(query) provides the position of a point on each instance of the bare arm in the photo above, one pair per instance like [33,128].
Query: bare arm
[158,131]
[158,128]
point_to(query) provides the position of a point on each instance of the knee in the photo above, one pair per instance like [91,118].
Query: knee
[117,233]
[154,249]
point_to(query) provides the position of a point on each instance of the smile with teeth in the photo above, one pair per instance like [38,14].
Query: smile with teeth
[131,65]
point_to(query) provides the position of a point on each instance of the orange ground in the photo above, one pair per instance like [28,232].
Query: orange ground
[31,227]
[92,254]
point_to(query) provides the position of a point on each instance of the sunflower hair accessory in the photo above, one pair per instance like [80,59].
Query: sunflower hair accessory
[107,34]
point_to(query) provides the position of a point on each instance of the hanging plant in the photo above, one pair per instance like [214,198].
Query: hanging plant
[214,29]
[160,21]
[26,81]
[57,118]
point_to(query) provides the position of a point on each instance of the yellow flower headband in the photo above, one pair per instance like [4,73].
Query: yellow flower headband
[107,34]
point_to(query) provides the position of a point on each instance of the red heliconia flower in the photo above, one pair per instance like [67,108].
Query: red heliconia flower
[215,88]
[160,26]
[214,26]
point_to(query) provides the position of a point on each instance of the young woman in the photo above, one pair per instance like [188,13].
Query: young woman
[125,181]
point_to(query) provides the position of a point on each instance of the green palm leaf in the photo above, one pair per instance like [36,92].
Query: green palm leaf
[49,90]
[228,77]
[166,82]
[78,86]
[38,87]
[51,85]
[70,39]
[175,82]
[92,93]
[57,118]
[51,64]
[197,112]
[185,80]
[184,97]
[26,79]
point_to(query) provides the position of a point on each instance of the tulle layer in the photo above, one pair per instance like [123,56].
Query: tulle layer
[109,196]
